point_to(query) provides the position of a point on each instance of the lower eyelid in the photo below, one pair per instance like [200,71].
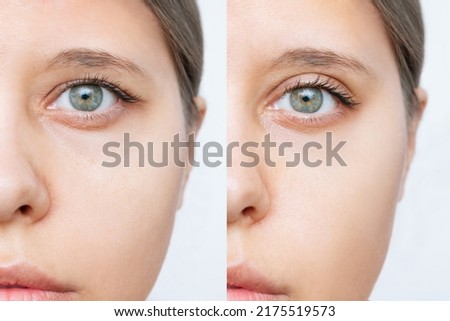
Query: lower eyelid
[86,120]
[300,122]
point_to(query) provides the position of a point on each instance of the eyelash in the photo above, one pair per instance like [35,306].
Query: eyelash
[346,98]
[102,81]
[91,120]
[299,122]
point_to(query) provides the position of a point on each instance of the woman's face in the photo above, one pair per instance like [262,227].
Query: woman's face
[98,232]
[297,70]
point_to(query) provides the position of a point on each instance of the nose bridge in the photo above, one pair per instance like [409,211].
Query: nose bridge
[247,193]
[21,188]
[14,122]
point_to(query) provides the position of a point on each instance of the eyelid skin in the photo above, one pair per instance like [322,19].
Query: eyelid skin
[344,98]
[86,120]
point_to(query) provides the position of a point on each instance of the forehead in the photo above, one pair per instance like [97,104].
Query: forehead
[265,29]
[41,28]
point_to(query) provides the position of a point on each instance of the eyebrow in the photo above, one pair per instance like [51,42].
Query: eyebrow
[321,58]
[87,58]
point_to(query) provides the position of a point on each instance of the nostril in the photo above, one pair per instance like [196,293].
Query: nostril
[249,210]
[24,209]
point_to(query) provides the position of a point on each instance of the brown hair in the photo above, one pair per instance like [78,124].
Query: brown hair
[404,25]
[180,21]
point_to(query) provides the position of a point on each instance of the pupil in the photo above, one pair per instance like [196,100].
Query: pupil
[85,96]
[306,99]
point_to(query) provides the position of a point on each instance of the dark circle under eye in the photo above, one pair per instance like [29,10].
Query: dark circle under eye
[306,100]
[86,97]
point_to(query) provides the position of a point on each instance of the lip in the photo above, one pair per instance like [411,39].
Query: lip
[245,283]
[25,282]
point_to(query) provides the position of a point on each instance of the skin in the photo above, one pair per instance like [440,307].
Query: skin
[315,233]
[101,232]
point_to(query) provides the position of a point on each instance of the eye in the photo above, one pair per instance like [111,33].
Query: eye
[307,100]
[86,98]
[92,102]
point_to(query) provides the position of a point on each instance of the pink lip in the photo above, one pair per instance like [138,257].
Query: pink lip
[25,282]
[247,284]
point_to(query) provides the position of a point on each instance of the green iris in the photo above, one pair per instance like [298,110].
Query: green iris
[86,97]
[306,100]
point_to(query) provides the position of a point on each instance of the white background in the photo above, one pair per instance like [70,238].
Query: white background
[418,262]
[195,266]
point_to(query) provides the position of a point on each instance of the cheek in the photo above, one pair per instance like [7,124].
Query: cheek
[335,222]
[120,235]
[109,228]
[116,229]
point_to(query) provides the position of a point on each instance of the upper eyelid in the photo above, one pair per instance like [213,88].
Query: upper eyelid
[316,83]
[280,89]
[102,82]
[335,89]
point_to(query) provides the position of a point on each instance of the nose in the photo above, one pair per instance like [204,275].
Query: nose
[248,198]
[247,194]
[22,194]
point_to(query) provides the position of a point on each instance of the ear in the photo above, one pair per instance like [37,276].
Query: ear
[201,108]
[413,125]
[193,132]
